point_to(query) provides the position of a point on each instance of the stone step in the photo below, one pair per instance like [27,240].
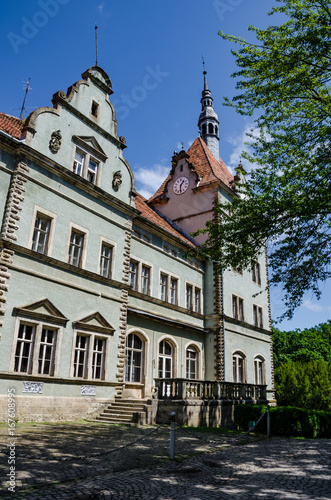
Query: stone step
[118,418]
[115,411]
[126,407]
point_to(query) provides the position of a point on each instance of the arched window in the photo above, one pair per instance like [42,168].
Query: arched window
[204,129]
[210,128]
[192,362]
[259,370]
[238,365]
[134,358]
[166,353]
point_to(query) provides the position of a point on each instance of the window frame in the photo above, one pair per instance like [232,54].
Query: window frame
[195,288]
[258,316]
[46,214]
[35,347]
[112,246]
[188,361]
[237,370]
[256,272]
[259,370]
[88,369]
[129,369]
[79,230]
[238,307]
[87,158]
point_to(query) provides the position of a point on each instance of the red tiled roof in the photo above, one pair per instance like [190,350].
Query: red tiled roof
[206,166]
[150,214]
[11,125]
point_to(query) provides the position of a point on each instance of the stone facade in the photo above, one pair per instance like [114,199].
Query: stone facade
[101,294]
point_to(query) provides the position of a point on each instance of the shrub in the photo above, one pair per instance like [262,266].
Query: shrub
[286,421]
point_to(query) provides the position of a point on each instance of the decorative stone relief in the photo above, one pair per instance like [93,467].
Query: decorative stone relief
[34,387]
[117,180]
[55,142]
[123,311]
[88,390]
[9,227]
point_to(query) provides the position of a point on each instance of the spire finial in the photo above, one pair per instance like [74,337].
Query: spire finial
[204,74]
[96,45]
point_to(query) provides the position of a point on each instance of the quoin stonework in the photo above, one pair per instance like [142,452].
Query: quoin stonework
[103,301]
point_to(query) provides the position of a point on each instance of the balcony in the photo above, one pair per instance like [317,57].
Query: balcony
[184,389]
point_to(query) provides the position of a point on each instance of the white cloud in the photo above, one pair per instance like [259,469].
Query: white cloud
[238,143]
[308,304]
[100,7]
[149,179]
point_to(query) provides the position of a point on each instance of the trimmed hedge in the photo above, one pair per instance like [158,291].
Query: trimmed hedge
[286,420]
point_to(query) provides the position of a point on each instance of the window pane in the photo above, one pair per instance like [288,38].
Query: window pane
[75,249]
[78,163]
[163,286]
[98,358]
[80,368]
[46,352]
[41,234]
[197,300]
[105,261]
[24,349]
[145,274]
[92,171]
[173,291]
[133,275]
[189,297]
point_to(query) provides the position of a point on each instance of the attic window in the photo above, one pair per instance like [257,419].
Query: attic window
[95,109]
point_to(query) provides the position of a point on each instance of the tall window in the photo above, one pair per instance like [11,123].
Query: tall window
[165,359]
[76,248]
[258,316]
[189,298]
[105,260]
[145,279]
[81,356]
[24,348]
[173,290]
[238,308]
[98,358]
[163,286]
[134,358]
[133,275]
[238,368]
[197,300]
[256,272]
[47,352]
[258,370]
[191,362]
[41,234]
[29,339]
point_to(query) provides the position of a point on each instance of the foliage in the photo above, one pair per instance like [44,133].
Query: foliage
[286,421]
[304,385]
[302,345]
[285,78]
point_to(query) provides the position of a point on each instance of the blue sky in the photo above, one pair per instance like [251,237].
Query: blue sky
[152,51]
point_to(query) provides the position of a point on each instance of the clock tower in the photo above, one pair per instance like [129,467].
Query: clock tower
[208,121]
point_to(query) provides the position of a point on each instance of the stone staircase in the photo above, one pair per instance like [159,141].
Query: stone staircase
[124,411]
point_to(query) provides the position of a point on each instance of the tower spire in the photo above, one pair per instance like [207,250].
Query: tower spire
[208,121]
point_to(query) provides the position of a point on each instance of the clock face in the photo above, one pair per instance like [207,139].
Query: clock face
[181,185]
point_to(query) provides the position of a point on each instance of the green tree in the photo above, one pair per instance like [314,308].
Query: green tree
[304,385]
[284,80]
[302,345]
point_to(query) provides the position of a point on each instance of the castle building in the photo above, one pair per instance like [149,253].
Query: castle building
[101,295]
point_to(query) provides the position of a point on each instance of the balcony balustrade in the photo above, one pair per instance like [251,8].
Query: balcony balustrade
[182,389]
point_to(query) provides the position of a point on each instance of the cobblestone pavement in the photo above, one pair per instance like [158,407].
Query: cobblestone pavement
[49,465]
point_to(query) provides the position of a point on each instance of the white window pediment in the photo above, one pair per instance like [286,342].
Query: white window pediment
[91,145]
[42,310]
[94,322]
